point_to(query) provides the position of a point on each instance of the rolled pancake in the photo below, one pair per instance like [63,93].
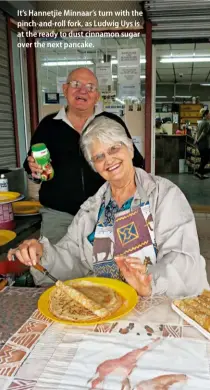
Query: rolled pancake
[80,298]
[61,306]
[206,293]
[194,313]
[83,301]
[104,296]
[199,304]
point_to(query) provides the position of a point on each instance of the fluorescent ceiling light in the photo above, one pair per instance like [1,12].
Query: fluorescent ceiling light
[161,97]
[66,63]
[182,96]
[114,76]
[205,85]
[79,62]
[170,60]
[142,61]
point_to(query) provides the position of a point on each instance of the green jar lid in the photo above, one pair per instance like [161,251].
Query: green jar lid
[38,147]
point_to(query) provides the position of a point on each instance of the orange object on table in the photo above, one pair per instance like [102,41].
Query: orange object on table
[3,283]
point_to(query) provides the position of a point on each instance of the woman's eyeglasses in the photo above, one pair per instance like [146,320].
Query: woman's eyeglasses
[77,85]
[111,152]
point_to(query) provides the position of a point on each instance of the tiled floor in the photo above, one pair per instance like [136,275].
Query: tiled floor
[196,191]
[203,227]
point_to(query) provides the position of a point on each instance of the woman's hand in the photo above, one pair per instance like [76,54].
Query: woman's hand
[135,274]
[28,253]
[34,167]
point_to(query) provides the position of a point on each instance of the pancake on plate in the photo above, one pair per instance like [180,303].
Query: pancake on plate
[82,301]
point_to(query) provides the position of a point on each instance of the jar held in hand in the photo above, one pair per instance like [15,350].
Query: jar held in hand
[41,155]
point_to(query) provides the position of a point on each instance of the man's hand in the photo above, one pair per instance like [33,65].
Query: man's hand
[135,274]
[28,253]
[34,167]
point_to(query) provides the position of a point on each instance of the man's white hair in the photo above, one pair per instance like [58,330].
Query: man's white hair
[105,130]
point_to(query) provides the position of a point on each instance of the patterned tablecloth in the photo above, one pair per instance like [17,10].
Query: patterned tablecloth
[152,345]
[16,306]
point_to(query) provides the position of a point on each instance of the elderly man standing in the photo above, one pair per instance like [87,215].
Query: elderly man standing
[74,180]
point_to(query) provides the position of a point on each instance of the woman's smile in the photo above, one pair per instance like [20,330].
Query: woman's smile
[114,167]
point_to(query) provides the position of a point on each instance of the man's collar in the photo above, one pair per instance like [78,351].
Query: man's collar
[61,115]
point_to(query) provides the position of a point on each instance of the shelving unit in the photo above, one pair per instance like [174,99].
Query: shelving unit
[190,112]
[192,155]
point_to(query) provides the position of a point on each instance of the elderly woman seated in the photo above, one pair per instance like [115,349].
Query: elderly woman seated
[137,227]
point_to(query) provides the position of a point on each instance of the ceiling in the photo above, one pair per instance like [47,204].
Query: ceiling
[196,73]
[102,46]
[178,19]
[193,72]
[181,24]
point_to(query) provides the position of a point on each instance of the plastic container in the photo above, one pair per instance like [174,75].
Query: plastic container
[41,155]
[7,221]
[3,183]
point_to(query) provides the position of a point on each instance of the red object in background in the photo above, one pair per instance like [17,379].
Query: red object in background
[11,267]
[181,132]
[7,221]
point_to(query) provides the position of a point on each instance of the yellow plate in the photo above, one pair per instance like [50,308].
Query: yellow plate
[8,196]
[26,207]
[126,291]
[6,236]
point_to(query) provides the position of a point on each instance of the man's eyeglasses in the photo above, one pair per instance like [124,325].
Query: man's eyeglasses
[111,152]
[77,85]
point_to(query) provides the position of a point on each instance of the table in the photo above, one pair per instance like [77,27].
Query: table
[48,355]
[16,309]
[25,226]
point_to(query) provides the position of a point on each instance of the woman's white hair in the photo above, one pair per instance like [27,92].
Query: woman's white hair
[107,131]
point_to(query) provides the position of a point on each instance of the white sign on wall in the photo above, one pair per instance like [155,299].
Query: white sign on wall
[128,57]
[60,81]
[129,91]
[129,75]
[104,73]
